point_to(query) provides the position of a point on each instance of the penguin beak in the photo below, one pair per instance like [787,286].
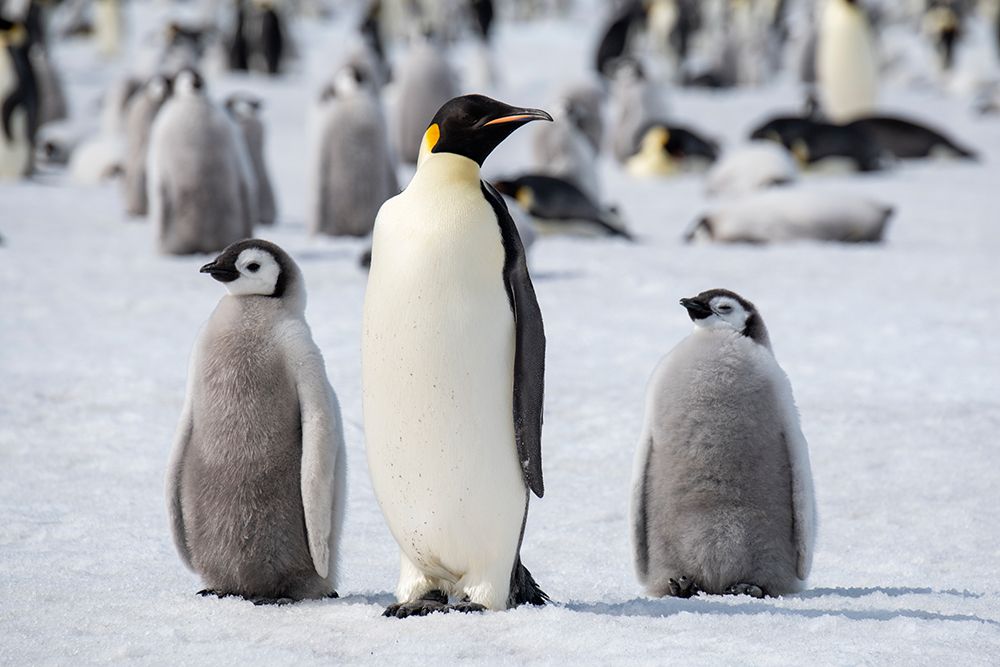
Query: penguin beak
[519,116]
[221,273]
[697,310]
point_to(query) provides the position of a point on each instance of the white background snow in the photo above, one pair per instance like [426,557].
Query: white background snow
[891,349]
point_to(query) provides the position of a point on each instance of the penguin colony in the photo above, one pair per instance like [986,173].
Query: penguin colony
[453,343]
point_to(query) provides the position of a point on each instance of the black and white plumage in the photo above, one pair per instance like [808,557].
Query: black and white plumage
[245,111]
[662,149]
[905,139]
[722,497]
[19,103]
[256,481]
[813,142]
[636,102]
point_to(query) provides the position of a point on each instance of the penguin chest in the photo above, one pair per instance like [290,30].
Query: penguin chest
[438,354]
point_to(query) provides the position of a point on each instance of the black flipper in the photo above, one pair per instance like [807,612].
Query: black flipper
[529,347]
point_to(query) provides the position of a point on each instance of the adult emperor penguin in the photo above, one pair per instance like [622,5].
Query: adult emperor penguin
[201,188]
[453,361]
[846,63]
[256,482]
[722,492]
[18,101]
[139,117]
[245,109]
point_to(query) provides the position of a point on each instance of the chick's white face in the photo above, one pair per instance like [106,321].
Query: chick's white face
[727,313]
[258,273]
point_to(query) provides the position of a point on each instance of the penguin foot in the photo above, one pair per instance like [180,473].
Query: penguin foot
[752,590]
[205,592]
[684,587]
[333,596]
[467,606]
[259,601]
[431,602]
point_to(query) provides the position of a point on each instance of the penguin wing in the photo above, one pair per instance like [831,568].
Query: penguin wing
[175,468]
[529,346]
[322,446]
[803,498]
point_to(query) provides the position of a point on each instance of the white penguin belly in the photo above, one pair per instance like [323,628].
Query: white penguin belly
[438,353]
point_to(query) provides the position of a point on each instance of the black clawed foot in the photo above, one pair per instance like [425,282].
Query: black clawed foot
[752,590]
[333,596]
[683,587]
[260,601]
[433,601]
[206,592]
[467,606]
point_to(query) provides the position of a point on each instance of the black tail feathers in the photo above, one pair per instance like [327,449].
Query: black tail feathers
[523,588]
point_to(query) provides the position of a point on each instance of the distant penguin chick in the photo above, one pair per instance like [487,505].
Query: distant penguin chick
[561,149]
[426,81]
[202,191]
[664,149]
[245,111]
[256,482]
[560,207]
[722,495]
[753,166]
[795,214]
[636,103]
[139,116]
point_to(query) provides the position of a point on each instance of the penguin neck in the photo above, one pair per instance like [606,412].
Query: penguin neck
[446,167]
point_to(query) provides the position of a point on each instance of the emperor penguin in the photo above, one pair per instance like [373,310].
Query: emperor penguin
[636,102]
[453,358]
[201,189]
[722,498]
[753,166]
[354,169]
[663,149]
[256,481]
[139,117]
[426,81]
[245,111]
[108,26]
[846,62]
[18,101]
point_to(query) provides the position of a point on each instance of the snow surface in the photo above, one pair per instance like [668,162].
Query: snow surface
[892,352]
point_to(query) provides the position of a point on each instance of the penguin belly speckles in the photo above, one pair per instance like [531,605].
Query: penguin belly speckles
[722,496]
[453,369]
[256,482]
[201,187]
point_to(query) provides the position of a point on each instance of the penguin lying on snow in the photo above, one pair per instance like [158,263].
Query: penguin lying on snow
[904,139]
[722,498]
[453,359]
[637,102]
[245,109]
[662,149]
[256,482]
[202,191]
[794,214]
[813,141]
[558,206]
[757,165]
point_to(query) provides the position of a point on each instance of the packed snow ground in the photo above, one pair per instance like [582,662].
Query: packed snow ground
[892,352]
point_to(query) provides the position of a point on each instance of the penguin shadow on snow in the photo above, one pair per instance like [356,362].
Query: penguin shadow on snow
[657,608]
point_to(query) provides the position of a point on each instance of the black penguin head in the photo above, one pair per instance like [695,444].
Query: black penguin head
[721,309]
[473,125]
[253,268]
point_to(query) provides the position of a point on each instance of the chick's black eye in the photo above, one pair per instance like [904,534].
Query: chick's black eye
[252,267]
[725,309]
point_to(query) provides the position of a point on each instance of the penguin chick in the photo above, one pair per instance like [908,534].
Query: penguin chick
[354,170]
[636,103]
[722,496]
[256,481]
[664,149]
[139,116]
[754,166]
[795,214]
[426,81]
[202,191]
[558,206]
[245,111]
[562,150]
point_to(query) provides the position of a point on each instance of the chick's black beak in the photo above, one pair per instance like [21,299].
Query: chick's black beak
[224,274]
[697,309]
[517,116]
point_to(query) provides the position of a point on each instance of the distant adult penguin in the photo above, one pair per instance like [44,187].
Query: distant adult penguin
[426,81]
[585,101]
[905,139]
[562,150]
[560,207]
[239,50]
[636,103]
[354,168]
[270,36]
[722,497]
[245,111]
[202,192]
[18,102]
[795,214]
[818,144]
[139,117]
[753,166]
[453,358]
[663,149]
[256,482]
[846,63]
[108,26]
[617,33]
[51,96]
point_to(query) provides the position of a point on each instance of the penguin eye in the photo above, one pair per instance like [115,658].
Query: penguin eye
[725,309]
[252,267]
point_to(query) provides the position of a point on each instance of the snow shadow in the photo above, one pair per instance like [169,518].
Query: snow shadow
[890,592]
[640,607]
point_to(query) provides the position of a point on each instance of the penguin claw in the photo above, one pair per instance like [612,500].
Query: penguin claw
[683,587]
[468,607]
[205,592]
[333,595]
[432,601]
[752,590]
[260,601]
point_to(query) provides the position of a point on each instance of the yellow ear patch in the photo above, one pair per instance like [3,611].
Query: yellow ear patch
[431,136]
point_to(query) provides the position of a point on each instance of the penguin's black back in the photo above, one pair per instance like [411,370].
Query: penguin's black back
[905,139]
